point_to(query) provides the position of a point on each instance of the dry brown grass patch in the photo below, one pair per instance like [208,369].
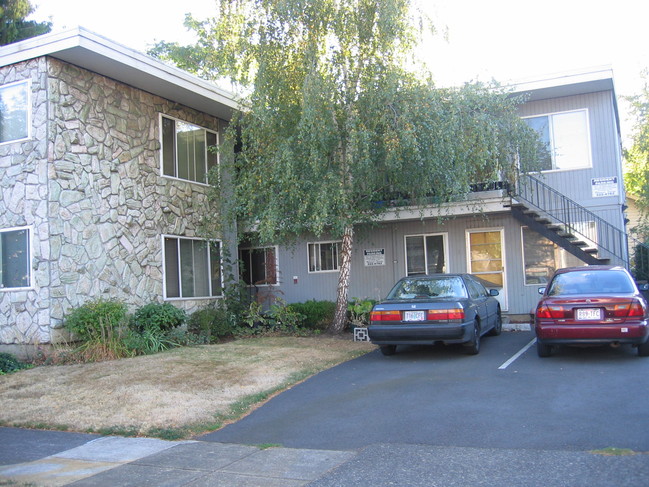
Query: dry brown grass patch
[176,389]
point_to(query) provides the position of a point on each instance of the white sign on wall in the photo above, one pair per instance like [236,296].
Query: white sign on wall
[374,257]
[602,187]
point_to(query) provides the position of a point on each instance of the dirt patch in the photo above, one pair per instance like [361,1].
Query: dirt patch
[176,389]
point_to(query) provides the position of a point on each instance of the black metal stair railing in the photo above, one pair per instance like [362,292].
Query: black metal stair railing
[571,216]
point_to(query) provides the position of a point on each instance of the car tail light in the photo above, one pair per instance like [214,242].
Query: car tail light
[385,315]
[445,314]
[631,309]
[554,312]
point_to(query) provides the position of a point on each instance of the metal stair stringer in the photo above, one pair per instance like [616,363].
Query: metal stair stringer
[522,214]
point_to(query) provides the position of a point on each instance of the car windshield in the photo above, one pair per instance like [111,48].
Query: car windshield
[437,287]
[591,282]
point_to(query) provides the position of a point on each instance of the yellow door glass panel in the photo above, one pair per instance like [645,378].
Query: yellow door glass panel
[486,266]
[495,279]
[485,238]
[486,251]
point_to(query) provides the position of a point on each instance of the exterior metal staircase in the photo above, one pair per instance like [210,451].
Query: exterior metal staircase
[562,220]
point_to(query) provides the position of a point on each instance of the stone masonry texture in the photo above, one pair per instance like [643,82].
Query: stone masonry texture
[89,186]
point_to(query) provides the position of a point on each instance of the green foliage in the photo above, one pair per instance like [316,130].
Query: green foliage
[636,177]
[211,323]
[14,27]
[95,319]
[318,315]
[338,126]
[9,363]
[148,341]
[281,315]
[162,316]
[359,311]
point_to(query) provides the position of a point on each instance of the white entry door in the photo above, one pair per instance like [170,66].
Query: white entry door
[486,259]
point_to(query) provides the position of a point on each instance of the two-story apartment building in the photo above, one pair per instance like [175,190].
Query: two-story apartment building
[104,161]
[104,166]
[511,233]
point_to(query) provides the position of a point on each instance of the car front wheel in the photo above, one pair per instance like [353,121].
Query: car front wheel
[473,347]
[498,326]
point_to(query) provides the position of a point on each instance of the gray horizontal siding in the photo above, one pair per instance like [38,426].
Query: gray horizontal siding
[374,282]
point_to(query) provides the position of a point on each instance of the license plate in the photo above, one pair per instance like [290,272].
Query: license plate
[414,316]
[588,314]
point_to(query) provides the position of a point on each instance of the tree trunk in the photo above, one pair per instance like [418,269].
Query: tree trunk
[340,317]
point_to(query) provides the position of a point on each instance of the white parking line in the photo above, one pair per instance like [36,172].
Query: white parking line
[518,354]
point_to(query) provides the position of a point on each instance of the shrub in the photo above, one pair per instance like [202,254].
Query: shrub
[96,319]
[317,314]
[359,311]
[163,316]
[9,363]
[281,315]
[211,323]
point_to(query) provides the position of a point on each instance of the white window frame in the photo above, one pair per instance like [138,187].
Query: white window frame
[444,236]
[276,250]
[319,243]
[175,161]
[28,109]
[589,152]
[209,270]
[30,257]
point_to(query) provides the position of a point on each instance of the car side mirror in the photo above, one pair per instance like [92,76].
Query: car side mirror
[541,290]
[643,287]
[493,292]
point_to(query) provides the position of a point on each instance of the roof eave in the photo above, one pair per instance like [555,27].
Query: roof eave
[98,54]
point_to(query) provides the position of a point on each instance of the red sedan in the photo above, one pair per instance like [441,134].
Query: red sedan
[592,305]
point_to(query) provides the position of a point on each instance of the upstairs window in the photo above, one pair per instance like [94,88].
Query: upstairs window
[566,139]
[14,112]
[192,268]
[187,150]
[324,256]
[14,259]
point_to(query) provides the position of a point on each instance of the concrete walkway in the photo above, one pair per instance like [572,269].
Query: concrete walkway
[116,461]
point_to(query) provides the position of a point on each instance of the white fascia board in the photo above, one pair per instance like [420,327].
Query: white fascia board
[492,204]
[565,84]
[98,54]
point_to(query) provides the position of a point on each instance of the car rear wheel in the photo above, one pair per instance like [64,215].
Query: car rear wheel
[388,349]
[643,349]
[473,347]
[543,349]
[498,326]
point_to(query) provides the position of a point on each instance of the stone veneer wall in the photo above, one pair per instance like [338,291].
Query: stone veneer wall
[25,315]
[97,200]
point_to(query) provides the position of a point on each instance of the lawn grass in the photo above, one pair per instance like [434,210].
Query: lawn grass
[172,395]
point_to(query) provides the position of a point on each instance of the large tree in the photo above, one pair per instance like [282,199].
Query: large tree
[339,127]
[636,178]
[14,27]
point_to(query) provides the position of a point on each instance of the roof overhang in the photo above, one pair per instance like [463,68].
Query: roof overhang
[571,83]
[565,84]
[479,203]
[98,54]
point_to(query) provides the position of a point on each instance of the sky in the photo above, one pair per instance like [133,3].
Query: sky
[502,40]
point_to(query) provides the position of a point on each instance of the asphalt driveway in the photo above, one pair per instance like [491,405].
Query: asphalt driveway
[576,400]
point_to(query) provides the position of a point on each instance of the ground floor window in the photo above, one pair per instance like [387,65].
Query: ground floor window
[192,268]
[541,257]
[258,266]
[425,254]
[14,258]
[324,256]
